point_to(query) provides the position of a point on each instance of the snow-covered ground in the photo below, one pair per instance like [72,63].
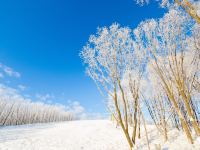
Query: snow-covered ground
[83,135]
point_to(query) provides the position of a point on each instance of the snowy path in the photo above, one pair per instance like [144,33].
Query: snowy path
[75,135]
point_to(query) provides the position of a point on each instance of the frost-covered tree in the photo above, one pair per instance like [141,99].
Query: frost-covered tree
[158,104]
[159,54]
[168,43]
[111,57]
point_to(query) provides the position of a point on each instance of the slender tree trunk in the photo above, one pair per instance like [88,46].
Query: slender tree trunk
[125,105]
[165,131]
[135,120]
[146,133]
[121,121]
[183,122]
[172,99]
[191,114]
[139,115]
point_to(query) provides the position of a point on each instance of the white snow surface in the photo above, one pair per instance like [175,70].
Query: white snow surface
[84,135]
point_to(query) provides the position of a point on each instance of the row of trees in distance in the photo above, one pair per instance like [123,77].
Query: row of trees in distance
[15,111]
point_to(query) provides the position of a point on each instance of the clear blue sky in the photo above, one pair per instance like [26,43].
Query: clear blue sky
[42,39]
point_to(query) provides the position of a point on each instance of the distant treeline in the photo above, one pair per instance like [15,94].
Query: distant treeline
[18,112]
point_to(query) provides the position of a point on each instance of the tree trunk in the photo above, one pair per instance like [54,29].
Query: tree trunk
[139,136]
[146,133]
[121,121]
[190,113]
[135,120]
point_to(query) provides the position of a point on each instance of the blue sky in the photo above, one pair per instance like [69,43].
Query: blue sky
[41,39]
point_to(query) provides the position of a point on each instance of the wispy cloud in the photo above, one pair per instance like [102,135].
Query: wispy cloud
[21,87]
[10,93]
[76,108]
[81,113]
[46,97]
[1,75]
[9,71]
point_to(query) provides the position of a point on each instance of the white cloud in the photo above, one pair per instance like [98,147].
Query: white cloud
[80,112]
[1,75]
[49,102]
[44,97]
[21,87]
[75,107]
[8,92]
[9,71]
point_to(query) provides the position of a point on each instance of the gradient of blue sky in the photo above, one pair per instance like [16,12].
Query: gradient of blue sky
[42,39]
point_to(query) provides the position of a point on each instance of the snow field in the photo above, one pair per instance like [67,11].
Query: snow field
[86,135]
